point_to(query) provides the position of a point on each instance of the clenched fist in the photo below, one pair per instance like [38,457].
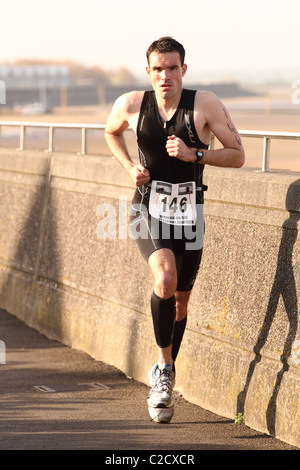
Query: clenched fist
[177,148]
[139,175]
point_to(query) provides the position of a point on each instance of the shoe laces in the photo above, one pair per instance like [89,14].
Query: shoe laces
[164,381]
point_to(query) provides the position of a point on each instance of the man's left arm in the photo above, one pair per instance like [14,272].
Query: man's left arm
[220,124]
[215,116]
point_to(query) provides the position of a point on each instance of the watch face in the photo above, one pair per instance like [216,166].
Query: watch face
[199,153]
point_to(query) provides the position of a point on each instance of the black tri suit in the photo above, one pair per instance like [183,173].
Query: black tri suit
[175,182]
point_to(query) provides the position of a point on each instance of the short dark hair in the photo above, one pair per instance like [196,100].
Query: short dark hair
[166,44]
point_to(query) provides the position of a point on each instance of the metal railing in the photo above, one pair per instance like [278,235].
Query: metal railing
[267,136]
[51,126]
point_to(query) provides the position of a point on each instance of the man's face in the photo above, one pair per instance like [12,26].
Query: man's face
[166,72]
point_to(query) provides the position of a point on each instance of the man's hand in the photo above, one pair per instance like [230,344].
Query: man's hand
[139,174]
[177,148]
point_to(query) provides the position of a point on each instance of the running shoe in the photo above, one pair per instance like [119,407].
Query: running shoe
[152,375]
[160,400]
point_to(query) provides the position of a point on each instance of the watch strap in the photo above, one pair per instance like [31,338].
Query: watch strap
[199,155]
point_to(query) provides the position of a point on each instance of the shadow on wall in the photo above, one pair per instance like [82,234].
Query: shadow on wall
[37,231]
[284,285]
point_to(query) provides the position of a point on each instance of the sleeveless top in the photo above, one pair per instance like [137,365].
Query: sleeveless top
[152,134]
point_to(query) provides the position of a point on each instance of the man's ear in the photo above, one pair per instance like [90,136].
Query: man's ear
[184,69]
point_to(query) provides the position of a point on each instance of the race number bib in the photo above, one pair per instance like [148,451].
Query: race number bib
[173,204]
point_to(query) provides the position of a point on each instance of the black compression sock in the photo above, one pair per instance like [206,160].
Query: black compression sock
[163,316]
[179,328]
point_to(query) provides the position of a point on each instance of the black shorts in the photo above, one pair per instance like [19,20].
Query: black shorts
[186,242]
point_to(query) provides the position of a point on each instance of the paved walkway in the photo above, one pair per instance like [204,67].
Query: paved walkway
[108,419]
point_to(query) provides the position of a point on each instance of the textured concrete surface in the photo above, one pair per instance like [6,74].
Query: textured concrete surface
[241,350]
[76,417]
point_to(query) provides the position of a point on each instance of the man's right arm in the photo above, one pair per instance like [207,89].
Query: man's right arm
[125,107]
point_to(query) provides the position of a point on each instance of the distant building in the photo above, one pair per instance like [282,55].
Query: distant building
[34,76]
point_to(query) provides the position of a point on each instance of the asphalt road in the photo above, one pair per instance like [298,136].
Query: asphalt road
[111,418]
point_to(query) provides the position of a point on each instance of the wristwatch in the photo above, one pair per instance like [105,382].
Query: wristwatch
[199,155]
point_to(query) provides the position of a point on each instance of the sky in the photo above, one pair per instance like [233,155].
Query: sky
[222,38]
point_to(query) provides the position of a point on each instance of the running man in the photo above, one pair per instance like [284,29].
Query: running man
[173,127]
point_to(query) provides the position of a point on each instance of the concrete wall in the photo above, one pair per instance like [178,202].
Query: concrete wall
[241,350]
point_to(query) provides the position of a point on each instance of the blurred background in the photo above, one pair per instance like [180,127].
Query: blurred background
[67,61]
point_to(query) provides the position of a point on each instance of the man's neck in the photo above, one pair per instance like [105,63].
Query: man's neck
[168,106]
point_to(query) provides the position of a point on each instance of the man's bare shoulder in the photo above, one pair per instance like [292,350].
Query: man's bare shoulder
[206,98]
[125,111]
[130,102]
[209,106]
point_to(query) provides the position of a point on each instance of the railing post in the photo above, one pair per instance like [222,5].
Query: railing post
[266,152]
[22,137]
[50,143]
[83,141]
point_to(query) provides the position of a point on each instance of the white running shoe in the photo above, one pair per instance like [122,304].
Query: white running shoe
[160,400]
[161,415]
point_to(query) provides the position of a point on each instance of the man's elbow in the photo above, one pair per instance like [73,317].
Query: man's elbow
[239,159]
[109,134]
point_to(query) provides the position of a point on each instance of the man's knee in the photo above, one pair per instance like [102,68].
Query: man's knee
[163,266]
[165,283]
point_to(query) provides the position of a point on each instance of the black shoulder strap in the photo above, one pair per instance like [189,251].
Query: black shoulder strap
[188,99]
[147,101]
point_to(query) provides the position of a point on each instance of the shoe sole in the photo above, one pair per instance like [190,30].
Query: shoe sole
[161,414]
